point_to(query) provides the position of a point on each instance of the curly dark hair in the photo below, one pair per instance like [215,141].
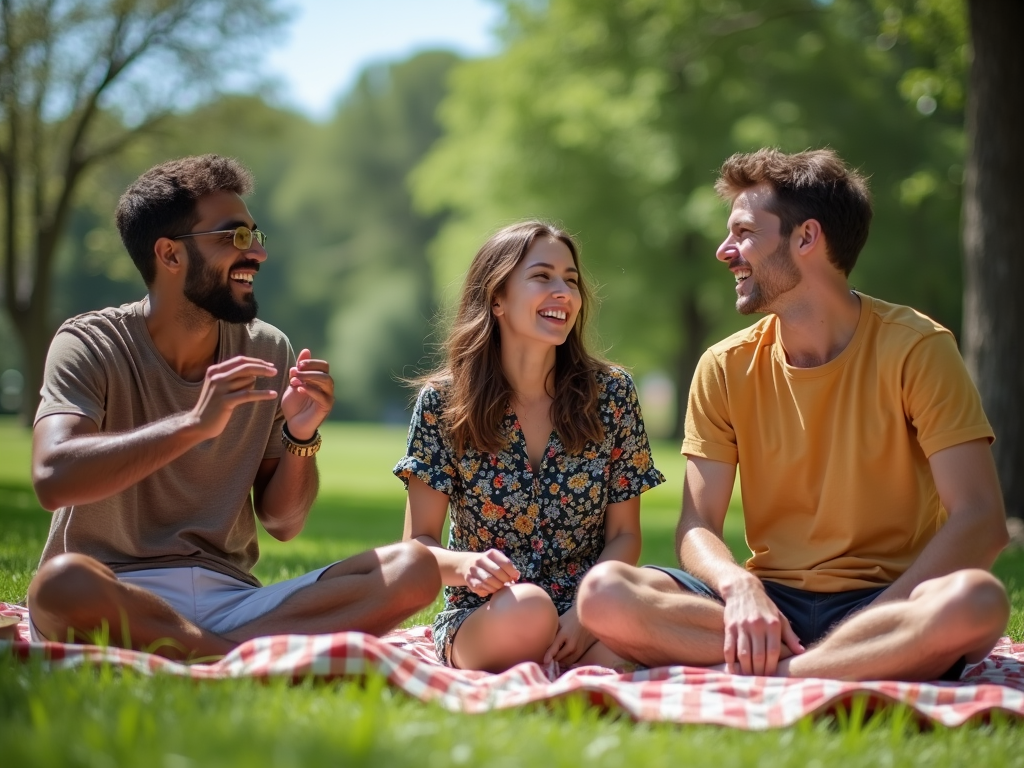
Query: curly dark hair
[162,202]
[815,184]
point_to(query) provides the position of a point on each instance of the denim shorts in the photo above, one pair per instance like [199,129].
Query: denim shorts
[812,615]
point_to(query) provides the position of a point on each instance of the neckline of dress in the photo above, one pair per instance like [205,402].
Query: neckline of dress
[518,428]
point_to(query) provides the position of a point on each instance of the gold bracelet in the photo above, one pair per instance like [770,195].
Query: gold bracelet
[300,448]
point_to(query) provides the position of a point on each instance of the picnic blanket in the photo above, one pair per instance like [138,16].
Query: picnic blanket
[676,694]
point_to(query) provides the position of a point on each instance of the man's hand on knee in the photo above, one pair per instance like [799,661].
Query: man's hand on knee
[757,635]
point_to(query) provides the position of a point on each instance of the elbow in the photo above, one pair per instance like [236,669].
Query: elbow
[284,531]
[47,488]
[1001,536]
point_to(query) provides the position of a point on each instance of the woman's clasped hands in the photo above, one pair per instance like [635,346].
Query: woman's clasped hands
[487,572]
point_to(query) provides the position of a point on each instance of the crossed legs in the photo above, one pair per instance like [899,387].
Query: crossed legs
[74,596]
[518,623]
[644,615]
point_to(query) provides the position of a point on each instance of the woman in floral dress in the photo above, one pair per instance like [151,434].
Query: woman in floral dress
[539,450]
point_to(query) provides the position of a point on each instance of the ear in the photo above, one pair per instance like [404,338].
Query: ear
[170,255]
[807,236]
[496,309]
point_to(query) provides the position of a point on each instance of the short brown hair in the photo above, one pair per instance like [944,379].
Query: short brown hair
[162,202]
[815,184]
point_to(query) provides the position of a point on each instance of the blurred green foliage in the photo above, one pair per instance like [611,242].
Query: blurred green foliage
[608,116]
[612,116]
[347,274]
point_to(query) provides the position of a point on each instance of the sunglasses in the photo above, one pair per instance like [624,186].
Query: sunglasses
[242,240]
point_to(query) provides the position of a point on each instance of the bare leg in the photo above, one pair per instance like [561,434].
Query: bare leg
[517,624]
[962,614]
[77,596]
[369,592]
[601,655]
[643,615]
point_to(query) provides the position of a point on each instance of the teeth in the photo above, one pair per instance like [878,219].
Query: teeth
[556,313]
[741,275]
[245,277]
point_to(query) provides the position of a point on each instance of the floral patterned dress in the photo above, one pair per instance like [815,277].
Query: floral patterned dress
[549,522]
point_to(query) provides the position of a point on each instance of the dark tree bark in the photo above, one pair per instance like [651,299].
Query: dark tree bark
[695,331]
[993,320]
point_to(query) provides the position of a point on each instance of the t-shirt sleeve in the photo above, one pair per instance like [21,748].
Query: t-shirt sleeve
[632,468]
[74,380]
[284,363]
[939,398]
[709,433]
[428,455]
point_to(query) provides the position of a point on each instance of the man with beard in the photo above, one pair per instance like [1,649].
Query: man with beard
[870,497]
[167,427]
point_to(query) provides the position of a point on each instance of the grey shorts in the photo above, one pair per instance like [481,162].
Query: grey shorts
[812,615]
[211,600]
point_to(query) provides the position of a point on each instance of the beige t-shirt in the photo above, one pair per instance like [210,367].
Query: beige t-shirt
[837,490]
[198,509]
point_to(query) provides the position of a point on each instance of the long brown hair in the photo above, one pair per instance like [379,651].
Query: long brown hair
[475,388]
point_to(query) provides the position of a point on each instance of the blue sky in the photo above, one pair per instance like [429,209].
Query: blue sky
[322,49]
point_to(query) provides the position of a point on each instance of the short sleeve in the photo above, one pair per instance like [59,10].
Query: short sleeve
[632,467]
[939,398]
[428,455]
[709,433]
[74,380]
[284,363]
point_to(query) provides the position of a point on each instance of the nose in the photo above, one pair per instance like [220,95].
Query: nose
[727,251]
[560,288]
[256,251]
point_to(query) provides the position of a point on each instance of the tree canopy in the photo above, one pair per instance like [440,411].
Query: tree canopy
[611,117]
[79,80]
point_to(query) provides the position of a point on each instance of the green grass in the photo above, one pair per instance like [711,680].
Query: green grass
[106,717]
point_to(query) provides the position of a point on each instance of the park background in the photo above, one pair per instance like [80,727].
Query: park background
[609,117]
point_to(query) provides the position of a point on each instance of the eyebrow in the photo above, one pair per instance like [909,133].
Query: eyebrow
[550,266]
[741,219]
[235,224]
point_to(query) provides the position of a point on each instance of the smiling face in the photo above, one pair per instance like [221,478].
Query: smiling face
[757,254]
[541,299]
[219,278]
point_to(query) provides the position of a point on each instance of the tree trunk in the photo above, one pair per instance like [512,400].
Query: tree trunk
[993,262]
[695,331]
[32,327]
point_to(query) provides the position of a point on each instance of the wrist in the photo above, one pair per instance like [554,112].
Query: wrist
[300,434]
[738,582]
[189,427]
[298,447]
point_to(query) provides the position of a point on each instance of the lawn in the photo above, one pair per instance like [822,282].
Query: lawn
[105,717]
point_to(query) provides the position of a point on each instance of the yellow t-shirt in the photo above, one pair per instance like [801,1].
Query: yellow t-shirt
[833,460]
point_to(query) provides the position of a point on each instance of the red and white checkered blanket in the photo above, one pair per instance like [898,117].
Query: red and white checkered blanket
[673,694]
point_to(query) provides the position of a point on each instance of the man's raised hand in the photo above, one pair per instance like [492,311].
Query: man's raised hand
[227,385]
[309,396]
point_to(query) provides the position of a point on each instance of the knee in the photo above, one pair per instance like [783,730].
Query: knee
[984,600]
[527,613]
[68,585]
[604,594]
[418,573]
[976,601]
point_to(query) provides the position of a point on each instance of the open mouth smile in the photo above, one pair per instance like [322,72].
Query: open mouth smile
[554,314]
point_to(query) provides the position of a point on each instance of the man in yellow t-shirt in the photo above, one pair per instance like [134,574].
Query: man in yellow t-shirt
[870,498]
